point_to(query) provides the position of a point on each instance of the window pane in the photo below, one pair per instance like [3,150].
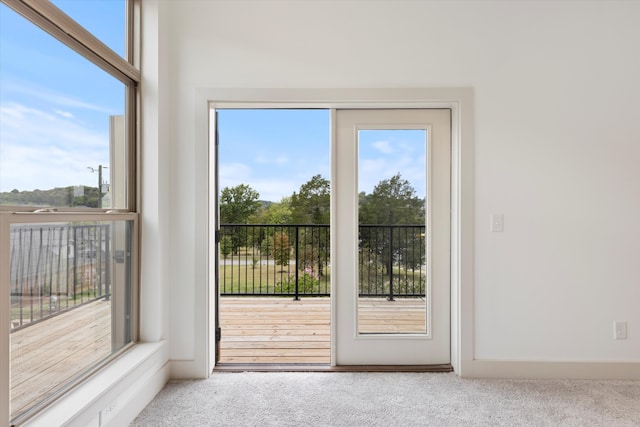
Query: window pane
[61,123]
[392,198]
[105,19]
[71,302]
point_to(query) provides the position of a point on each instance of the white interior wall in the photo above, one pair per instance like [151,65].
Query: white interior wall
[557,101]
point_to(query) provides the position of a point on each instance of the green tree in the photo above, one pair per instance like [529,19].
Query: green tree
[225,246]
[278,213]
[272,214]
[392,202]
[312,205]
[55,197]
[237,205]
[281,248]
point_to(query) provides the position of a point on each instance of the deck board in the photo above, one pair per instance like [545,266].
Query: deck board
[47,354]
[279,330]
[274,330]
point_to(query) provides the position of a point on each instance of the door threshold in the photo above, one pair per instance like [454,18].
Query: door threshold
[310,367]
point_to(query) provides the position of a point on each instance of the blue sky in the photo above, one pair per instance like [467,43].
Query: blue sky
[55,105]
[55,108]
[273,151]
[276,151]
[384,153]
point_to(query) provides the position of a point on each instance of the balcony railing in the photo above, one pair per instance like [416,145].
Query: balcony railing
[57,267]
[282,260]
[294,261]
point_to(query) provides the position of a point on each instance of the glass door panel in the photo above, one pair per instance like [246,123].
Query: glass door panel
[392,201]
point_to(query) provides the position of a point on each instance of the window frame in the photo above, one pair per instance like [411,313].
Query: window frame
[48,17]
[34,218]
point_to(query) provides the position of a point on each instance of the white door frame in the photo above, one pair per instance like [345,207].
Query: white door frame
[459,100]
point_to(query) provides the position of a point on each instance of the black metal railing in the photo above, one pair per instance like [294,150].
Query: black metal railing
[283,260]
[294,261]
[392,261]
[56,267]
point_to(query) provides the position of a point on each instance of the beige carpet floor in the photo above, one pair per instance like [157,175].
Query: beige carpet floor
[390,399]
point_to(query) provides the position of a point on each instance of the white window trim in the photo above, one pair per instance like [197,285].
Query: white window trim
[459,100]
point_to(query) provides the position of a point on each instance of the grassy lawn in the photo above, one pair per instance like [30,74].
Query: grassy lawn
[239,275]
[250,273]
[405,282]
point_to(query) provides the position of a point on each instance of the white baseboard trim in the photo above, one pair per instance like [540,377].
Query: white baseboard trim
[555,370]
[188,370]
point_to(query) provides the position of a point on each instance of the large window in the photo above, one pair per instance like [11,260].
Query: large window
[68,221]
[63,140]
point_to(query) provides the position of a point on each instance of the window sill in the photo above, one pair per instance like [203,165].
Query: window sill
[113,395]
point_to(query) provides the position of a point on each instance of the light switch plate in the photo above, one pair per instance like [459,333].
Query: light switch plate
[497,223]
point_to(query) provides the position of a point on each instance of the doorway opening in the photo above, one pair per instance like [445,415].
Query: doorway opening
[282,205]
[274,274]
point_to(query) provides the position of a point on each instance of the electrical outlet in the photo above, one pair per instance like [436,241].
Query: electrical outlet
[107,413]
[620,330]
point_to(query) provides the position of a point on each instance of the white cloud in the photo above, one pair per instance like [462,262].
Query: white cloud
[55,98]
[372,171]
[281,159]
[232,174]
[44,150]
[65,114]
[274,189]
[383,146]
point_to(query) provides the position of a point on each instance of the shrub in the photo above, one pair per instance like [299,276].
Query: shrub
[226,246]
[308,283]
[281,249]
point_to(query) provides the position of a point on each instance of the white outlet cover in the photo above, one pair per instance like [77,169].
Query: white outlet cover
[108,412]
[620,330]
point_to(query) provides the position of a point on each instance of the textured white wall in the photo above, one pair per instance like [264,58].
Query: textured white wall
[557,93]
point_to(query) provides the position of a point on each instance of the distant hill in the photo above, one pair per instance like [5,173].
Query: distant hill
[56,197]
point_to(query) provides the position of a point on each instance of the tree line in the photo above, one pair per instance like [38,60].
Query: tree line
[382,245]
[55,197]
[393,201]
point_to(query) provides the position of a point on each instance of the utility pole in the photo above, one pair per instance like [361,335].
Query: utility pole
[99,170]
[99,186]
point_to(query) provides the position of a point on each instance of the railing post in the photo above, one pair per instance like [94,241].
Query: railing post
[297,297]
[30,279]
[107,261]
[390,297]
[75,262]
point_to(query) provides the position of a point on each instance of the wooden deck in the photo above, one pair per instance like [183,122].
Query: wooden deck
[274,330]
[280,330]
[49,353]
